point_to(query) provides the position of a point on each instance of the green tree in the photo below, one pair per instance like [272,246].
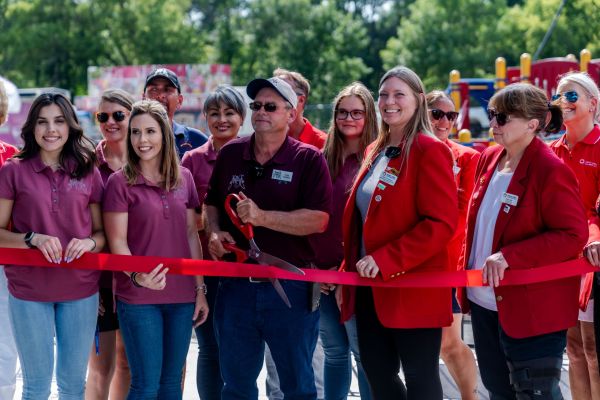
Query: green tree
[319,41]
[441,35]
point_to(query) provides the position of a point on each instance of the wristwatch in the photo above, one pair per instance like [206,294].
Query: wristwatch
[28,238]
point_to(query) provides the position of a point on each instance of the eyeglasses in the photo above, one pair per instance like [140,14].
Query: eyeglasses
[571,96]
[501,118]
[118,116]
[438,114]
[257,105]
[342,114]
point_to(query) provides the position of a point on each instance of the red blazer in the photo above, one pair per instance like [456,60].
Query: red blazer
[465,165]
[407,228]
[548,225]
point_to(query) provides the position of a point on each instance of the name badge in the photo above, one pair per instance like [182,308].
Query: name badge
[284,176]
[388,178]
[455,169]
[510,199]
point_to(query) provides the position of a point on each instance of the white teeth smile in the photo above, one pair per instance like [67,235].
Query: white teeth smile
[391,111]
[144,148]
[51,138]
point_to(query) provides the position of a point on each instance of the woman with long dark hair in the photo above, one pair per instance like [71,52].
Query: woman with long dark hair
[51,191]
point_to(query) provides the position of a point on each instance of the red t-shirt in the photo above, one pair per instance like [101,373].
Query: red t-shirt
[312,135]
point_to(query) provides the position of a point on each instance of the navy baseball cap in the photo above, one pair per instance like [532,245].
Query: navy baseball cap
[163,73]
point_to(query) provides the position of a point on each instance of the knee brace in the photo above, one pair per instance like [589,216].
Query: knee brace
[536,379]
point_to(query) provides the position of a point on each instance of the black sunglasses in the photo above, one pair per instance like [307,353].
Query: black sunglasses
[571,96]
[438,114]
[501,118]
[257,105]
[118,116]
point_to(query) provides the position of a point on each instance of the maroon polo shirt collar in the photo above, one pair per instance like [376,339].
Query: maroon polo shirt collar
[280,156]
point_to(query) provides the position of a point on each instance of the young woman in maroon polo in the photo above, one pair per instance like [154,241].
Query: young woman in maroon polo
[225,110]
[525,212]
[353,127]
[578,95]
[400,216]
[149,210]
[113,119]
[456,354]
[51,192]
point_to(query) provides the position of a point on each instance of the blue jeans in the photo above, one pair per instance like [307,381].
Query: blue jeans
[157,339]
[249,314]
[208,372]
[35,324]
[8,348]
[338,340]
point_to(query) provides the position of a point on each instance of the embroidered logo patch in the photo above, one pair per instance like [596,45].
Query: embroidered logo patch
[237,182]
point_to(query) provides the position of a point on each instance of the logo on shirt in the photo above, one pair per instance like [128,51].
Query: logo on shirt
[77,185]
[587,163]
[237,182]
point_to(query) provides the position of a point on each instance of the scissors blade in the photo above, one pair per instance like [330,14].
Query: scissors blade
[279,289]
[267,259]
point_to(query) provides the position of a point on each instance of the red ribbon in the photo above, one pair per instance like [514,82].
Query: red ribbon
[184,266]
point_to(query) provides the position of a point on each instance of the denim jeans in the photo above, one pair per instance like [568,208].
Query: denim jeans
[496,350]
[35,324]
[338,340]
[208,372]
[8,349]
[249,314]
[157,339]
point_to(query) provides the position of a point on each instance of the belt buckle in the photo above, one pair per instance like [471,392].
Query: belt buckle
[257,280]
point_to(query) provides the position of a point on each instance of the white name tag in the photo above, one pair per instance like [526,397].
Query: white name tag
[388,178]
[510,199]
[279,175]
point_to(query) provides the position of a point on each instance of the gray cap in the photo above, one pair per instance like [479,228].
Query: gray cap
[278,84]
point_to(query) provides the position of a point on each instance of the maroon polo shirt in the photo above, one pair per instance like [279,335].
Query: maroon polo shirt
[52,203]
[105,172]
[201,162]
[156,226]
[296,177]
[328,245]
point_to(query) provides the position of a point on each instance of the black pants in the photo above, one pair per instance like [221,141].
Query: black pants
[497,353]
[384,350]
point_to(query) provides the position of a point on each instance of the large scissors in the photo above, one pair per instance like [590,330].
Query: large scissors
[254,252]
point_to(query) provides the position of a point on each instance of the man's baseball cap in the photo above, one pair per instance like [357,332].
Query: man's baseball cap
[163,73]
[278,84]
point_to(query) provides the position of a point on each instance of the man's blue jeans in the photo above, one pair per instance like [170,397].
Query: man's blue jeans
[157,339]
[249,314]
[35,324]
[338,340]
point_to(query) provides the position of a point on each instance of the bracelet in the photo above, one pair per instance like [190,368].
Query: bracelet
[93,241]
[202,289]
[133,280]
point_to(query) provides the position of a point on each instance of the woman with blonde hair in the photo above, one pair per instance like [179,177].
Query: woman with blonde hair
[456,354]
[399,218]
[577,95]
[149,210]
[353,127]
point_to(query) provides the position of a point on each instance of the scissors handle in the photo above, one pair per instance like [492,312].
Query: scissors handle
[239,255]
[245,228]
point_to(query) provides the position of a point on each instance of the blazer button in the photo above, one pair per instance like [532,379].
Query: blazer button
[498,298]
[378,198]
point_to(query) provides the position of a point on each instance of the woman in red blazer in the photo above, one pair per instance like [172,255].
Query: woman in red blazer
[525,212]
[400,216]
[457,356]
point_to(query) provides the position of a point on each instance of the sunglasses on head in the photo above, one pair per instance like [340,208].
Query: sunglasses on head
[501,118]
[118,116]
[439,114]
[257,105]
[571,96]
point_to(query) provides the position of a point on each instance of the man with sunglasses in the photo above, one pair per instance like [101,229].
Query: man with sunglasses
[163,85]
[300,128]
[286,194]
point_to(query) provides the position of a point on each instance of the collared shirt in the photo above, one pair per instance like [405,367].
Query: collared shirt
[51,203]
[201,162]
[156,226]
[295,178]
[187,138]
[103,167]
[584,160]
[313,136]
[329,244]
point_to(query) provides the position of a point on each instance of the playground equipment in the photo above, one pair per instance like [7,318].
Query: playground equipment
[471,95]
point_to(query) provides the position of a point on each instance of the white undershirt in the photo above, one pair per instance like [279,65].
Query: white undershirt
[484,236]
